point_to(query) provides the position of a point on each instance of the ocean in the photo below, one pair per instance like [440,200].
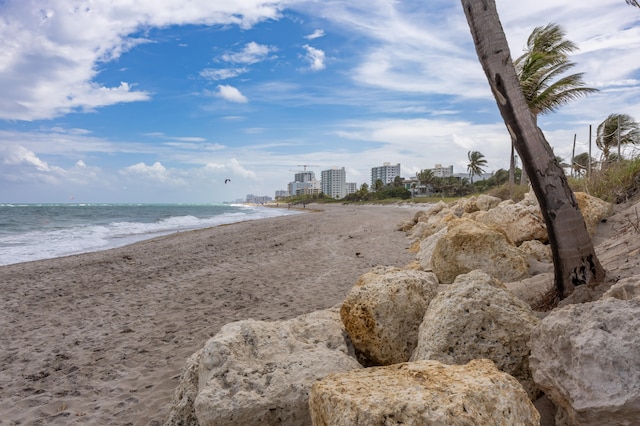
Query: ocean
[43,231]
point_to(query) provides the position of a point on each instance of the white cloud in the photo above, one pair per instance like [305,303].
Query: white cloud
[235,166]
[50,55]
[231,94]
[17,155]
[315,57]
[250,54]
[316,34]
[221,73]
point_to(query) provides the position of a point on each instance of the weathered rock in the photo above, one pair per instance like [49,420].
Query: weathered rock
[625,289]
[477,317]
[182,411]
[533,291]
[422,393]
[593,209]
[586,358]
[520,221]
[383,311]
[426,248]
[259,373]
[538,250]
[469,245]
[481,202]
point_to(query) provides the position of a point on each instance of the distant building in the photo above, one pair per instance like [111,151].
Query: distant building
[281,193]
[440,171]
[334,182]
[386,173]
[352,187]
[304,183]
[258,199]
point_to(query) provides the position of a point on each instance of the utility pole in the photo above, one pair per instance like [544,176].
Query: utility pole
[573,153]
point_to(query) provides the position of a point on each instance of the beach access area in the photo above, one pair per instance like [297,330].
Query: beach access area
[101,338]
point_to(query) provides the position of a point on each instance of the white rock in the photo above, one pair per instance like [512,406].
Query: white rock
[260,373]
[477,317]
[586,358]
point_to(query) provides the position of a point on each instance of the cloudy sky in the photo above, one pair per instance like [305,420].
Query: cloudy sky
[162,100]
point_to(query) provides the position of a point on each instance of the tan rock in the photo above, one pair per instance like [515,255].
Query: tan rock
[383,311]
[469,245]
[422,393]
[519,221]
[625,289]
[426,248]
[538,250]
[477,317]
[593,209]
[481,202]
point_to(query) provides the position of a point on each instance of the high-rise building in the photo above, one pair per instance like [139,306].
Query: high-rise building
[386,173]
[440,171]
[334,182]
[304,183]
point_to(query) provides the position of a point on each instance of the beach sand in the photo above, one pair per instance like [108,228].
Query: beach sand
[101,338]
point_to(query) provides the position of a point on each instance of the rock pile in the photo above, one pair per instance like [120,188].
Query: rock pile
[450,339]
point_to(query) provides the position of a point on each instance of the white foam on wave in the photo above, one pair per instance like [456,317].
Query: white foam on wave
[50,243]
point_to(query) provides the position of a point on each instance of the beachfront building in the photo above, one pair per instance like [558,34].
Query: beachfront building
[440,171]
[334,182]
[352,187]
[304,183]
[281,193]
[386,173]
[258,199]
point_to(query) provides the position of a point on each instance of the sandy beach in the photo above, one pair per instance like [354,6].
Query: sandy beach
[101,338]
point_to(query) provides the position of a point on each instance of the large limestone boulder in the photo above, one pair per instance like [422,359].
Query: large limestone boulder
[482,202]
[520,221]
[426,248]
[593,209]
[477,317]
[259,372]
[469,245]
[534,291]
[182,412]
[422,393]
[383,311]
[586,358]
[625,289]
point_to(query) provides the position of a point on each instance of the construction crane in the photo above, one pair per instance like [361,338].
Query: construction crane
[305,166]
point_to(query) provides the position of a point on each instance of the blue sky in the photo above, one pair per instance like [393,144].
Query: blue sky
[162,100]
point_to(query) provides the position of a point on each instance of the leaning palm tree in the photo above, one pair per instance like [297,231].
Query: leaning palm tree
[615,131]
[540,71]
[476,164]
[574,257]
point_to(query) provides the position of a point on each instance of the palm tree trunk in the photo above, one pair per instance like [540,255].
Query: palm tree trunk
[512,165]
[574,258]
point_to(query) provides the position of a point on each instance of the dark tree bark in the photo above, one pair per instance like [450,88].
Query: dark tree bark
[574,258]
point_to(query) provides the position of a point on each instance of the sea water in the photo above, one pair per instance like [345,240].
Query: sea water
[42,231]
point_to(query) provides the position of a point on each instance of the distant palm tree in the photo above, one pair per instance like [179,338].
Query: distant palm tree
[633,3]
[616,130]
[540,70]
[476,164]
[581,163]
[425,177]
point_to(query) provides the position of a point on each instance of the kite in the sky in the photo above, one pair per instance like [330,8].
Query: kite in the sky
[226,181]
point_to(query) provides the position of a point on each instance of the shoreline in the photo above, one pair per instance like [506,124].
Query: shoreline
[102,337]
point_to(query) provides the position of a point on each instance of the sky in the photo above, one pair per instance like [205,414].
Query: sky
[161,101]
